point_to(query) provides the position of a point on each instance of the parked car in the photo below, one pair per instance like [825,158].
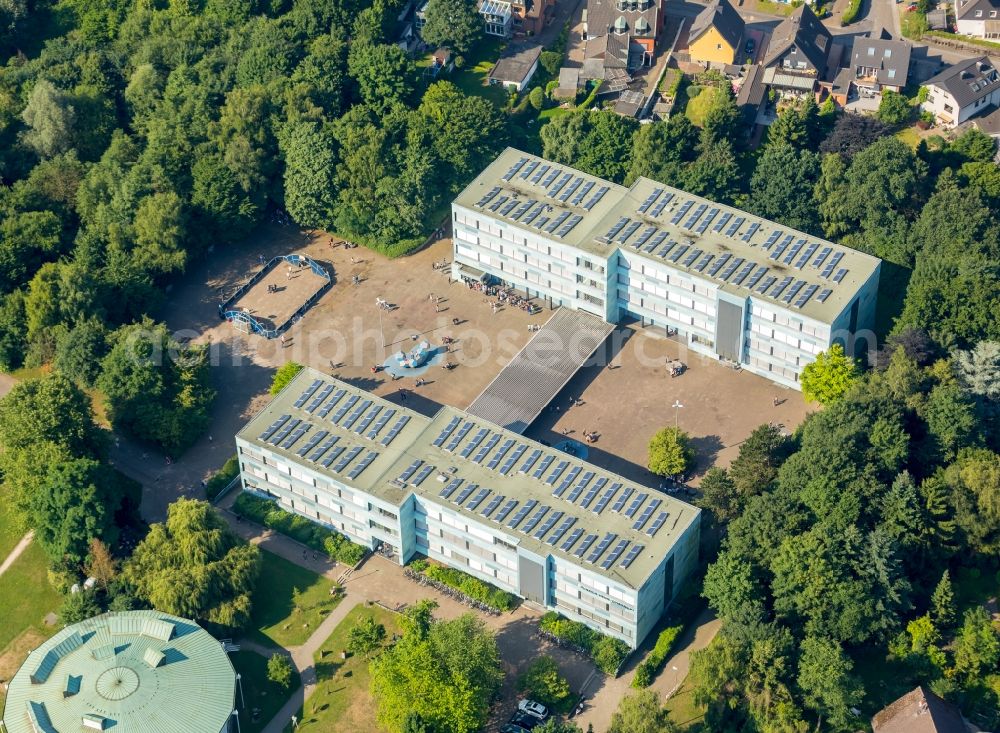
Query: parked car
[533,708]
[525,720]
[749,47]
[911,7]
[511,728]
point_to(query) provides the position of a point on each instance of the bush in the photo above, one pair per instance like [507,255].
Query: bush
[648,668]
[284,375]
[542,681]
[474,588]
[220,480]
[607,652]
[537,98]
[321,539]
[550,87]
[551,61]
[851,12]
[894,109]
[419,565]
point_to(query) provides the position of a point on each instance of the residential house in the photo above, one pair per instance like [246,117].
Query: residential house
[978,18]
[797,54]
[628,28]
[751,99]
[516,67]
[716,34]
[530,16]
[880,63]
[962,91]
[498,18]
[920,711]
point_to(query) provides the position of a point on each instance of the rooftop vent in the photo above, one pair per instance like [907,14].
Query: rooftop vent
[93,721]
[153,657]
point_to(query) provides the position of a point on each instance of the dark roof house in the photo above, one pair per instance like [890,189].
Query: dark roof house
[968,81]
[516,67]
[920,711]
[799,44]
[881,62]
[722,16]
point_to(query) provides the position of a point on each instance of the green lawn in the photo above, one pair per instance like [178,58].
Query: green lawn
[342,701]
[262,698]
[10,529]
[910,136]
[683,710]
[472,77]
[774,8]
[697,107]
[277,619]
[26,596]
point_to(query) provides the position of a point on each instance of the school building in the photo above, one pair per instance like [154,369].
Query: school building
[555,530]
[734,286]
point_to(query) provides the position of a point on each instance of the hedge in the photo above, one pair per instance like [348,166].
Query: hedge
[300,529]
[474,588]
[651,665]
[607,652]
[221,479]
[851,13]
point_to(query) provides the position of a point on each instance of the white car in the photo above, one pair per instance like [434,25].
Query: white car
[533,708]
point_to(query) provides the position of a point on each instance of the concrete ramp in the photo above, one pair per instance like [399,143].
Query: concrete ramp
[541,369]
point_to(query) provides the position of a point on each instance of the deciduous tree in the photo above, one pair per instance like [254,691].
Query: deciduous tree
[828,378]
[670,452]
[453,23]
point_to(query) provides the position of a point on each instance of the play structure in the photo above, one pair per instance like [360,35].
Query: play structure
[416,357]
[245,320]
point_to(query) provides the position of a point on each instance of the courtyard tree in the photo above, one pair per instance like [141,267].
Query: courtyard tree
[894,109]
[670,452]
[543,682]
[79,606]
[193,565]
[279,670]
[827,379]
[50,409]
[366,636]
[452,23]
[641,712]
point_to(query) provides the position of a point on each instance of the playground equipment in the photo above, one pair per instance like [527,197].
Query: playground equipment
[417,357]
[246,323]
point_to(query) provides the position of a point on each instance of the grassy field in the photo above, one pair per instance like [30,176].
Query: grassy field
[697,107]
[277,618]
[472,77]
[683,710]
[263,698]
[342,701]
[774,8]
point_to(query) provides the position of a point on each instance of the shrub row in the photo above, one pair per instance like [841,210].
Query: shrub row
[607,652]
[851,13]
[230,470]
[300,529]
[649,666]
[474,588]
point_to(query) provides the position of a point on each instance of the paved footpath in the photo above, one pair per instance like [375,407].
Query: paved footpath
[19,548]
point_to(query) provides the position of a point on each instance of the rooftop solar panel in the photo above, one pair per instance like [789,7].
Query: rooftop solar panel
[326,408]
[318,399]
[605,498]
[400,424]
[348,457]
[726,216]
[704,223]
[353,417]
[522,513]
[719,263]
[382,421]
[750,232]
[557,221]
[540,173]
[813,246]
[661,204]
[755,278]
[548,524]
[367,419]
[332,455]
[840,275]
[284,431]
[327,444]
[534,519]
[771,239]
[585,545]
[777,289]
[553,175]
[530,217]
[567,480]
[824,294]
[647,512]
[308,392]
[573,537]
[514,169]
[508,207]
[477,499]
[296,434]
[409,471]
[601,547]
[570,190]
[580,486]
[343,409]
[694,217]
[362,465]
[273,427]
[703,262]
[593,491]
[568,226]
[530,460]
[498,456]
[614,554]
[620,502]
[692,257]
[561,530]
[679,252]
[793,291]
[486,448]
[649,200]
[488,196]
[492,505]
[522,208]
[634,506]
[560,467]
[450,487]
[526,171]
[823,254]
[679,214]
[575,201]
[513,458]
[731,268]
[465,493]
[735,226]
[422,475]
[498,202]
[656,242]
[459,436]
[312,442]
[742,274]
[615,228]
[476,440]
[555,188]
[593,201]
[629,231]
[768,282]
[546,462]
[652,529]
[504,511]
[780,247]
[791,254]
[631,556]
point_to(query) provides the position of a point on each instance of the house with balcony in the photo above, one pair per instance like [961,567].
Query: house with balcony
[963,91]
[622,32]
[880,63]
[797,54]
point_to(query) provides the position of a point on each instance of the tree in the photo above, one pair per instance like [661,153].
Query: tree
[366,636]
[50,116]
[383,74]
[79,606]
[558,726]
[977,646]
[715,173]
[415,724]
[101,566]
[718,495]
[951,420]
[670,452]
[454,23]
[943,607]
[194,566]
[80,348]
[732,586]
[894,109]
[757,463]
[641,712]
[974,146]
[543,682]
[279,670]
[599,143]
[285,374]
[662,150]
[782,186]
[50,409]
[537,98]
[979,369]
[310,170]
[828,378]
[826,681]
[851,134]
[447,675]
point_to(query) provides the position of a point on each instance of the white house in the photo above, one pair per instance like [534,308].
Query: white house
[978,18]
[962,91]
[515,68]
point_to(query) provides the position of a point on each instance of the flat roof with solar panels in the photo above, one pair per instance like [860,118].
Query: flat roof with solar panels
[727,248]
[551,502]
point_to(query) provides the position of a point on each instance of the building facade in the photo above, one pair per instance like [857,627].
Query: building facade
[963,91]
[558,532]
[729,285]
[978,18]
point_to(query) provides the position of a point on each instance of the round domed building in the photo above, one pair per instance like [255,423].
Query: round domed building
[131,672]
